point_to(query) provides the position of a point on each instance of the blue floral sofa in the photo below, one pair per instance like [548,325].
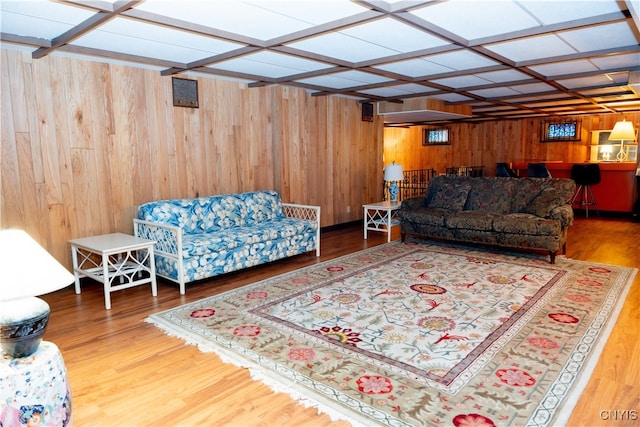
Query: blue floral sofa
[523,213]
[207,236]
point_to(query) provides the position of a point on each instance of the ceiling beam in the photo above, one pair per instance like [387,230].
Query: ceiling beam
[83,28]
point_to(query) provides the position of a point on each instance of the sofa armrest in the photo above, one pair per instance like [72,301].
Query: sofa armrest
[564,214]
[308,212]
[168,237]
[413,203]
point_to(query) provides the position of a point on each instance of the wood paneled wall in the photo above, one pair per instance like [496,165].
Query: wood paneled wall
[84,143]
[485,144]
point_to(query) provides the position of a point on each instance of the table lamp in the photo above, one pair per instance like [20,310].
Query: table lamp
[27,271]
[622,131]
[393,173]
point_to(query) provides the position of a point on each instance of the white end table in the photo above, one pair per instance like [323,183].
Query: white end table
[381,217]
[114,256]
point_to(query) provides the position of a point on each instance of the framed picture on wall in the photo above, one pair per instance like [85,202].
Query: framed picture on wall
[435,135]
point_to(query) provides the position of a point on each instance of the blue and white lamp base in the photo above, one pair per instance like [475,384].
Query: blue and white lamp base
[393,191]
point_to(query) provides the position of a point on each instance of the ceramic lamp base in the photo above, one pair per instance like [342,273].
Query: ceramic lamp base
[393,191]
[22,325]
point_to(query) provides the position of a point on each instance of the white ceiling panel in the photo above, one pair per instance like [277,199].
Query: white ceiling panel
[532,88]
[462,81]
[617,61]
[315,12]
[477,19]
[270,64]
[394,35]
[542,98]
[40,19]
[578,52]
[452,97]
[548,12]
[415,67]
[462,60]
[504,76]
[564,68]
[532,48]
[387,92]
[379,38]
[139,38]
[598,80]
[345,79]
[414,88]
[399,91]
[341,46]
[498,92]
[600,37]
[262,19]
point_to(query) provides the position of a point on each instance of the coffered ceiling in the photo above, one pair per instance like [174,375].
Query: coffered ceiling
[503,58]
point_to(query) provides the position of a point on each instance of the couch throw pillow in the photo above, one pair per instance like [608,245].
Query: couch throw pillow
[452,196]
[544,203]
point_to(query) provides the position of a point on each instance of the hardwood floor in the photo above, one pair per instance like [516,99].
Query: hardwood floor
[125,372]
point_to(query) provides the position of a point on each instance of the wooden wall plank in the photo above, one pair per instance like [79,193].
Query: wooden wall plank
[47,132]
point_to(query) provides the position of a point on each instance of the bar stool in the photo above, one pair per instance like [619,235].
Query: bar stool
[503,170]
[585,175]
[538,170]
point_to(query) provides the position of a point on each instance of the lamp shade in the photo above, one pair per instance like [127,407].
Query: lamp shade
[393,172]
[623,131]
[27,268]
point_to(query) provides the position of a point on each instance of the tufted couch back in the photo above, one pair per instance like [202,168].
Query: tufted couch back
[499,195]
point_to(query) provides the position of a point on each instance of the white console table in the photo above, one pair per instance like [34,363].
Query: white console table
[108,257]
[380,217]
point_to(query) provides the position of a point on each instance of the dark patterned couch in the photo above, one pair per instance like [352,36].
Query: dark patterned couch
[523,213]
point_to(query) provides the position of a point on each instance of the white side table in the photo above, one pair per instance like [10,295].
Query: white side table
[380,217]
[114,256]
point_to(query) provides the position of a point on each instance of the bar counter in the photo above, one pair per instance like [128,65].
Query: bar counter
[616,191]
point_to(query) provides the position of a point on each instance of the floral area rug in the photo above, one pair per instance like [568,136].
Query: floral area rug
[418,334]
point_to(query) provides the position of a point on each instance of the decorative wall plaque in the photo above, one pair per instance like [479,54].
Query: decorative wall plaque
[185,92]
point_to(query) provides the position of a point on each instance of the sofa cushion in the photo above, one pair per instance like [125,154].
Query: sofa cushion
[491,195]
[523,223]
[223,212]
[544,203]
[471,220]
[450,195]
[262,206]
[184,213]
[235,237]
[426,216]
[526,190]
